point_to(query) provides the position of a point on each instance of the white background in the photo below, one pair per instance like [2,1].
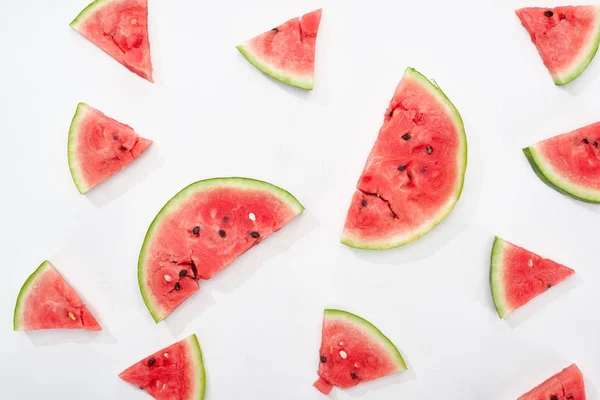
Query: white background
[210,113]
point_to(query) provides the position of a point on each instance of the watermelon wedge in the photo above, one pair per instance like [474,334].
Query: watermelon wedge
[99,147]
[565,385]
[566,37]
[287,52]
[201,230]
[415,172]
[47,301]
[354,351]
[518,275]
[570,163]
[173,373]
[120,28]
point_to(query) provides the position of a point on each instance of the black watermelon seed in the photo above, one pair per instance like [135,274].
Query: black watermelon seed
[151,361]
[275,30]
[554,397]
[423,170]
[401,168]
[549,286]
[406,136]
[323,359]
[196,230]
[353,376]
[182,273]
[548,13]
[429,150]
[225,218]
[255,234]
[586,141]
[177,286]
[595,144]
[123,148]
[222,233]
[363,203]
[116,137]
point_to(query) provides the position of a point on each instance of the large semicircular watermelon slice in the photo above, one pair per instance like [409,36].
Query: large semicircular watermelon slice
[354,351]
[570,163]
[565,385]
[47,301]
[518,275]
[120,28]
[99,147]
[175,372]
[287,52]
[566,37]
[201,230]
[415,172]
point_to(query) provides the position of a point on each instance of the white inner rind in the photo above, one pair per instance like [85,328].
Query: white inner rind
[24,293]
[198,364]
[73,144]
[497,277]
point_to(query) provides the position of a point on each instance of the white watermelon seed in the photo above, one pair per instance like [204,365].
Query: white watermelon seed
[355,365]
[252,217]
[133,21]
[530,263]
[213,213]
[72,316]
[166,355]
[343,354]
[167,278]
[342,343]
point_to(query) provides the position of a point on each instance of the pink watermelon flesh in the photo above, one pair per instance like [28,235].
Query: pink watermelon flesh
[565,385]
[120,28]
[99,147]
[47,301]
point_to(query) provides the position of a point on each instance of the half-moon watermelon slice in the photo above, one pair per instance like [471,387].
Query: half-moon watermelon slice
[566,37]
[518,275]
[565,385]
[47,301]
[120,28]
[287,52]
[570,163]
[201,230]
[415,172]
[99,147]
[175,372]
[354,351]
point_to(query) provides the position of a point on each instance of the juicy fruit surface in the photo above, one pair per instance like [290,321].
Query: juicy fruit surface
[173,373]
[120,28]
[202,230]
[565,385]
[353,351]
[414,174]
[99,146]
[47,301]
[518,275]
[566,37]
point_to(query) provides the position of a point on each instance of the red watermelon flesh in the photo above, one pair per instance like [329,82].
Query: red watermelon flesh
[99,147]
[566,37]
[120,28]
[565,385]
[47,301]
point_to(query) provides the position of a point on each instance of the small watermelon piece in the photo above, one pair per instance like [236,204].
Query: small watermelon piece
[175,372]
[47,301]
[566,37]
[565,385]
[415,172]
[570,163]
[201,230]
[354,351]
[99,147]
[518,275]
[287,52]
[120,28]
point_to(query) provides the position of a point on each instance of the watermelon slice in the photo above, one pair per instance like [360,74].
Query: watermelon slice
[99,146]
[565,385]
[201,230]
[354,351]
[287,52]
[415,172]
[47,301]
[566,37]
[173,373]
[570,163]
[518,275]
[120,28]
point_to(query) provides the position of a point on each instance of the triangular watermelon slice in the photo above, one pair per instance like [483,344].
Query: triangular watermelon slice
[565,385]
[99,146]
[175,372]
[120,28]
[518,275]
[354,351]
[566,37]
[287,52]
[47,301]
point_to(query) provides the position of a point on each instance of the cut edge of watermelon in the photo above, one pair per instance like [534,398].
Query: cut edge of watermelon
[198,363]
[544,170]
[81,112]
[496,285]
[87,11]
[239,182]
[25,290]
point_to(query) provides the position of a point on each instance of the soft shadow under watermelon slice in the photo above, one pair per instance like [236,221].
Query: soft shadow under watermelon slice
[565,385]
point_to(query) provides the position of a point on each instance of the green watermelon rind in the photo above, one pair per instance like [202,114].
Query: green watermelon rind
[543,169]
[371,330]
[462,157]
[24,293]
[80,183]
[300,81]
[496,274]
[88,11]
[198,362]
[179,199]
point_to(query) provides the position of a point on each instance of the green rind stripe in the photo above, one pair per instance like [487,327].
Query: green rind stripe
[371,330]
[496,274]
[180,198]
[285,77]
[24,292]
[73,141]
[198,362]
[88,11]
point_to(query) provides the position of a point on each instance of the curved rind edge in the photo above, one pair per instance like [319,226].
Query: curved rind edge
[496,286]
[194,344]
[24,291]
[72,147]
[87,11]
